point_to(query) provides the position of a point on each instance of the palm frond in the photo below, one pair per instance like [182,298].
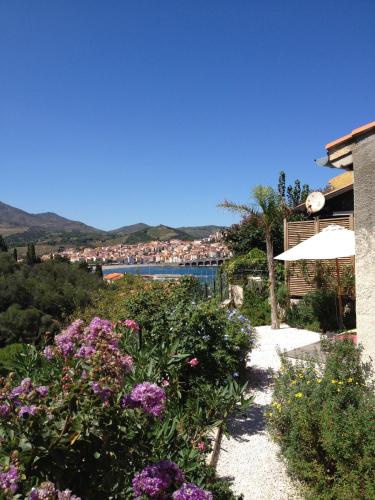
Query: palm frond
[238,207]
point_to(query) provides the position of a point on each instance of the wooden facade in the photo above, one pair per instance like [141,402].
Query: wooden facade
[296,232]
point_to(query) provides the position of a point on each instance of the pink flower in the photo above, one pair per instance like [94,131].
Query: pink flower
[193,362]
[131,324]
[165,382]
[201,446]
[127,362]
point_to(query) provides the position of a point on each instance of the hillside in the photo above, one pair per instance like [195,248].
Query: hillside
[14,220]
[52,230]
[159,233]
[199,232]
[133,228]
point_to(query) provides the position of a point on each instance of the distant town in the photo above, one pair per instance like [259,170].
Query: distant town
[154,252]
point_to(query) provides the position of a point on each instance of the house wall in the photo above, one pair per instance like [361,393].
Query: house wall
[364,209]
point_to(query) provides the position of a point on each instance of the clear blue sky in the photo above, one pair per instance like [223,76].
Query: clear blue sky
[114,112]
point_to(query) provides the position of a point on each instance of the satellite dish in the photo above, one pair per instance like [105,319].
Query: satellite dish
[315,202]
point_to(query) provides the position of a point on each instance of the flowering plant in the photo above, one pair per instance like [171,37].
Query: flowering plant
[322,416]
[91,410]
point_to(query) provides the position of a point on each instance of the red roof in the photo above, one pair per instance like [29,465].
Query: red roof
[113,276]
[353,133]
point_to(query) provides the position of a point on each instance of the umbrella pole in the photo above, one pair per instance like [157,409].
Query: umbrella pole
[341,308]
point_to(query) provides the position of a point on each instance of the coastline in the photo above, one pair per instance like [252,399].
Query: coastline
[116,266]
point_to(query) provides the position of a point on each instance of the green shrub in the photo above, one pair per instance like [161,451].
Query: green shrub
[8,356]
[240,267]
[323,417]
[317,311]
[68,415]
[256,304]
[40,297]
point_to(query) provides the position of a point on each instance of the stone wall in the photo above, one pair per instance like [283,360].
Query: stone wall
[364,209]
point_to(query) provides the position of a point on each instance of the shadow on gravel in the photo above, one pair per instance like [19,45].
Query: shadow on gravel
[259,379]
[252,421]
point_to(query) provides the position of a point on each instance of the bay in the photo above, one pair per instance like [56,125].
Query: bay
[206,274]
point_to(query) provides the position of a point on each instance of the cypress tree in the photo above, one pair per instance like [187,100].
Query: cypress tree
[3,245]
[31,255]
[15,255]
[99,270]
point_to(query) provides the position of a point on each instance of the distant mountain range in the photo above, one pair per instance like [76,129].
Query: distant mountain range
[20,227]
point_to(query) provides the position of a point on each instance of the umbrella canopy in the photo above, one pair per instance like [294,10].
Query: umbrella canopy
[333,242]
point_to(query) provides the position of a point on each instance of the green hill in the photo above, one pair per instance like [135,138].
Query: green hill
[157,233]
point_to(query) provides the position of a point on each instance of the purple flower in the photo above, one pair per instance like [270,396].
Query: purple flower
[27,411]
[104,393]
[100,325]
[24,388]
[127,402]
[4,410]
[66,495]
[48,352]
[65,341]
[42,390]
[9,479]
[150,397]
[85,351]
[189,491]
[155,480]
[47,491]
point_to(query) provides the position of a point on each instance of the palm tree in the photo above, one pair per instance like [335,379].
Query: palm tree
[270,207]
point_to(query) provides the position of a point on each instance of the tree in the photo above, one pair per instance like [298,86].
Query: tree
[293,194]
[3,245]
[249,233]
[281,187]
[15,255]
[271,208]
[99,270]
[31,257]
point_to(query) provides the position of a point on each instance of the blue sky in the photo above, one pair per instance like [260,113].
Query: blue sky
[114,112]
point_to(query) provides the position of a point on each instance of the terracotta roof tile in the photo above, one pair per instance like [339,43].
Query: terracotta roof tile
[353,133]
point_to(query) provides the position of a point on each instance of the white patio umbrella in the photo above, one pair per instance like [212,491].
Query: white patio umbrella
[333,242]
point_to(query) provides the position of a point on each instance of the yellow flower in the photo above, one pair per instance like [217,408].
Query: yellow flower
[319,380]
[293,382]
[350,380]
[298,395]
[307,383]
[341,382]
[333,381]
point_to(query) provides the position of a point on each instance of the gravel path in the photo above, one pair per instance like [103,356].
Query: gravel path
[249,457]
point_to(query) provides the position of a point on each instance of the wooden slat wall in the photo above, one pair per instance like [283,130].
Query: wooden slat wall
[296,232]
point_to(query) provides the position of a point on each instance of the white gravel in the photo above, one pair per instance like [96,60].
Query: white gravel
[249,456]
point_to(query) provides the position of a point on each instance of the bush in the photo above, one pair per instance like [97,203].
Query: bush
[8,356]
[252,263]
[167,311]
[92,410]
[323,418]
[317,311]
[41,297]
[256,304]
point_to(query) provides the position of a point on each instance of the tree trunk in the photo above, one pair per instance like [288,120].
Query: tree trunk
[275,324]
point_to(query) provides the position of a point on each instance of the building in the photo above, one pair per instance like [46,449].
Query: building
[338,209]
[355,152]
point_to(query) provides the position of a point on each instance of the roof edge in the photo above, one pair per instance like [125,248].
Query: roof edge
[353,133]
